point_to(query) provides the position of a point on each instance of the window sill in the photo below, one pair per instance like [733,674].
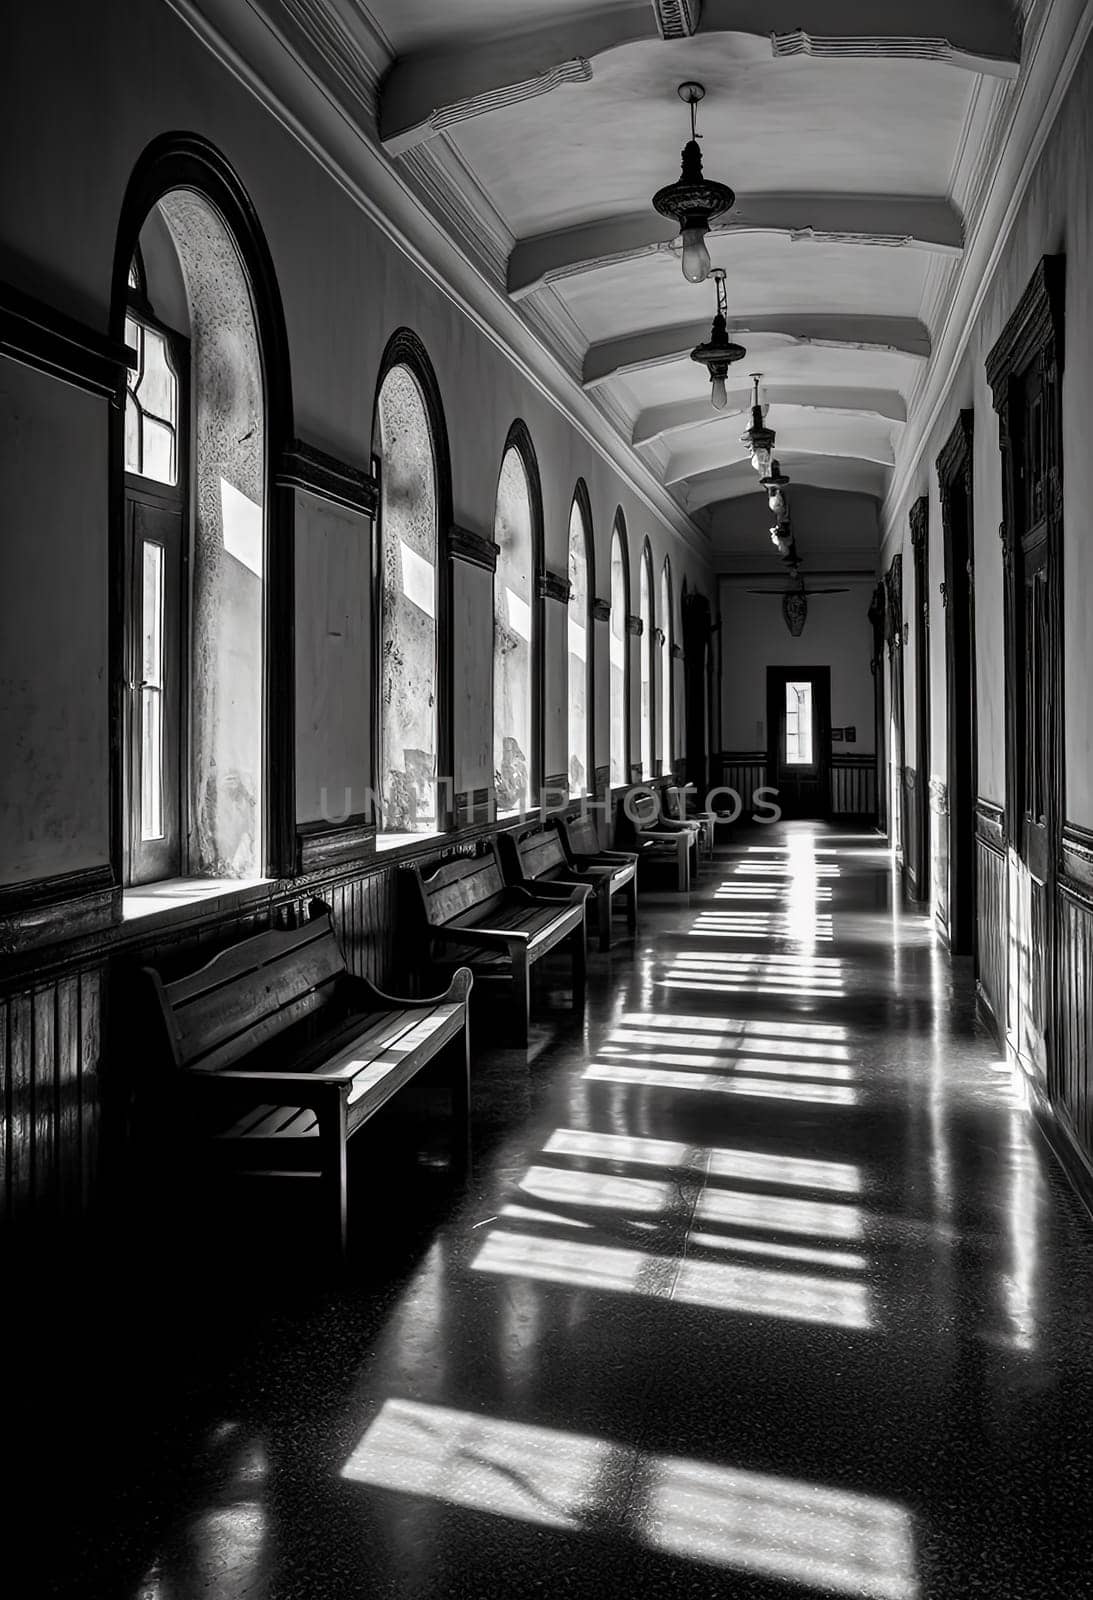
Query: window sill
[405,841]
[176,899]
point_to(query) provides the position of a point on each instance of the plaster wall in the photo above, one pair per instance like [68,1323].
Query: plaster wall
[837,634]
[74,134]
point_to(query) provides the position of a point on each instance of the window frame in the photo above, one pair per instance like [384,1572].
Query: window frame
[619,535]
[406,349]
[519,439]
[667,685]
[648,614]
[583,504]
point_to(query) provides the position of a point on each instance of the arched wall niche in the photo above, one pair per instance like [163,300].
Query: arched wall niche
[422,513]
[184,189]
[518,625]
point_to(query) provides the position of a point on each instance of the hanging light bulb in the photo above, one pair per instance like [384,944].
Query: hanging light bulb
[693,199]
[718,353]
[775,485]
[696,258]
[759,438]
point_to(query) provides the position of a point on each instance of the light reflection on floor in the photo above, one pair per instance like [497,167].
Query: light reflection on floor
[801,1533]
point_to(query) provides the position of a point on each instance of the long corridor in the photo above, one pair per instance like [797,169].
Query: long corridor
[765,1286]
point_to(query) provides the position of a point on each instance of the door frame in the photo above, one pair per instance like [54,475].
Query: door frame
[955,482]
[820,678]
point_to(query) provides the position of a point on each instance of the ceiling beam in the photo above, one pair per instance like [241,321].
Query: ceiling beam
[825,472]
[428,91]
[870,219]
[715,455]
[656,346]
[657,422]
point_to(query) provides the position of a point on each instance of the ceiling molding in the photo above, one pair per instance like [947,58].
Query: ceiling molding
[658,422]
[655,346]
[429,90]
[260,57]
[1052,57]
[865,220]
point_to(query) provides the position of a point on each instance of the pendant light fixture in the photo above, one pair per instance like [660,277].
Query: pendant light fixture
[692,200]
[775,485]
[759,438]
[719,352]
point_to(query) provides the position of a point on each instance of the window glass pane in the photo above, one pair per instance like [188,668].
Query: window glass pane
[666,672]
[159,451]
[133,338]
[132,435]
[647,643]
[512,626]
[158,386]
[618,710]
[151,693]
[408,728]
[578,652]
[799,732]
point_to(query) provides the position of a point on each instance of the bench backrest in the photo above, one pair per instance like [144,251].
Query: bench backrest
[249,993]
[540,853]
[581,835]
[644,810]
[676,797]
[457,887]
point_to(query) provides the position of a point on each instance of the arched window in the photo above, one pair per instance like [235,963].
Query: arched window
[579,657]
[407,670]
[517,532]
[203,555]
[648,647]
[667,761]
[620,601]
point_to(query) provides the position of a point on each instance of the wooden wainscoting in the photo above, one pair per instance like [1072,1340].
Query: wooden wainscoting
[854,786]
[742,770]
[51,1038]
[992,909]
[1073,1065]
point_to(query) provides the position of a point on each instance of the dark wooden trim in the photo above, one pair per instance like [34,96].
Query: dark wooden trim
[552,586]
[1062,1141]
[473,548]
[36,335]
[954,458]
[304,467]
[187,161]
[635,626]
[332,844]
[990,824]
[601,610]
[955,479]
[1076,859]
[47,910]
[1037,321]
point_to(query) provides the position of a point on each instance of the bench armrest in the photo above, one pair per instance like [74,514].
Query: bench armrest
[379,1000]
[486,938]
[672,835]
[670,825]
[562,891]
[305,1087]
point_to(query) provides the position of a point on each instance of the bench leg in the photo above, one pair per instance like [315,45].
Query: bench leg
[580,964]
[683,864]
[332,1141]
[631,893]
[459,1082]
[603,917]
[521,996]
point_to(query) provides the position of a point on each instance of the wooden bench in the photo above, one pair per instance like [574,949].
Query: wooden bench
[287,1054]
[658,838]
[614,872]
[475,919]
[680,802]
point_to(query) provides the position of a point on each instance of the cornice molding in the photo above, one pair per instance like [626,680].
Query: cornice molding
[270,65]
[304,467]
[552,586]
[1025,118]
[36,335]
[473,548]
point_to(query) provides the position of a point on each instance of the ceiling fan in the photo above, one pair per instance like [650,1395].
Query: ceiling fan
[795,602]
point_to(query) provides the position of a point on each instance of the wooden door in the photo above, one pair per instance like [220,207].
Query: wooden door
[799,739]
[954,470]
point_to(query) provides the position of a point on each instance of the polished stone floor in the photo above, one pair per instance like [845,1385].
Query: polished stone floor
[763,1285]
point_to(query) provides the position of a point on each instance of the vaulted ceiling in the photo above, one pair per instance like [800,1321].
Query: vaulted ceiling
[861,138]
[844,128]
